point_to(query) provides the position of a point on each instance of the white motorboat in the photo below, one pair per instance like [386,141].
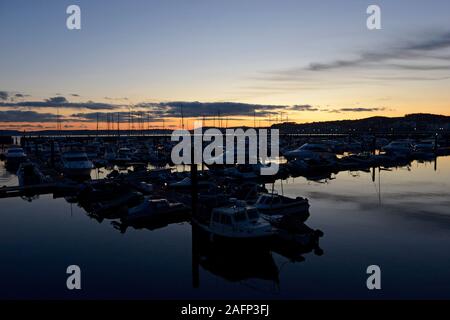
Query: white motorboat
[76,163]
[237,221]
[316,151]
[402,147]
[275,204]
[123,156]
[15,155]
[425,146]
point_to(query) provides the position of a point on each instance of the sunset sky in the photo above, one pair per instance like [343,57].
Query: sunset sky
[310,60]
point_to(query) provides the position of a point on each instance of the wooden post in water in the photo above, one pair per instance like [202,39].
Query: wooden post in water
[194,199]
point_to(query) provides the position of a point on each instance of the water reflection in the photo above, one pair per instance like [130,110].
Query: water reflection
[379,216]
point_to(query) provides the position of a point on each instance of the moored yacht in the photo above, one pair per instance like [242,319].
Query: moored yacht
[402,147]
[316,151]
[15,155]
[237,221]
[425,146]
[123,156]
[76,163]
[275,204]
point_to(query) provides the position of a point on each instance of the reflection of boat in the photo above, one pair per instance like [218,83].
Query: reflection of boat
[237,263]
[244,262]
[154,208]
[76,163]
[153,223]
[294,239]
[275,204]
[237,221]
[307,165]
[123,201]
[358,161]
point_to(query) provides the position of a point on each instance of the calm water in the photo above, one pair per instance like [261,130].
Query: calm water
[400,221]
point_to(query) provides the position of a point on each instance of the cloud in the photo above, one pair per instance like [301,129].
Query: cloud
[356,109]
[4,95]
[154,112]
[212,109]
[361,109]
[26,116]
[303,107]
[21,95]
[60,102]
[406,50]
[57,101]
[421,53]
[112,116]
[25,125]
[109,98]
[74,95]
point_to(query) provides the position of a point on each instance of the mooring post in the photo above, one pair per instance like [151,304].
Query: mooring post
[194,182]
[194,201]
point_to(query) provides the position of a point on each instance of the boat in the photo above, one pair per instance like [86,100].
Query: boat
[275,204]
[15,155]
[123,156]
[76,163]
[154,209]
[425,146]
[316,151]
[110,154]
[186,184]
[237,221]
[402,147]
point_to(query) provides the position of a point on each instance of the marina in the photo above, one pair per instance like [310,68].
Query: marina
[224,158]
[217,225]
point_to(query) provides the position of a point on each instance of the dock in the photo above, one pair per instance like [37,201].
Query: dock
[39,189]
